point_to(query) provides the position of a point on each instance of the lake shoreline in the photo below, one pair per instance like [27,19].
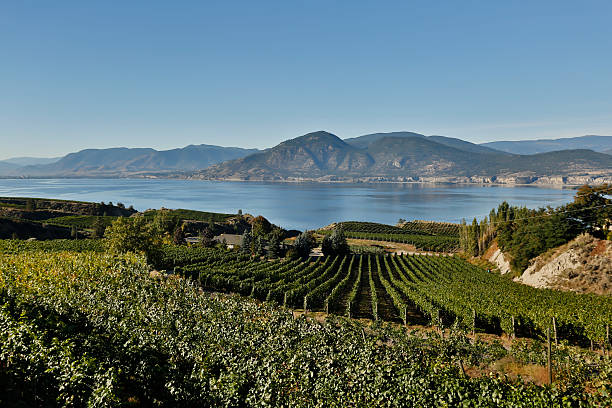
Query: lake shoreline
[300,204]
[323,182]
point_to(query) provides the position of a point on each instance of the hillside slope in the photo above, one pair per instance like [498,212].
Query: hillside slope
[591,142]
[583,265]
[315,154]
[126,161]
[322,156]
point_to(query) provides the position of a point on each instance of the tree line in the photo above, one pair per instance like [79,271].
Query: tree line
[525,233]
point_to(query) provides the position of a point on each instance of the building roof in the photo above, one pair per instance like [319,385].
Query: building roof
[230,239]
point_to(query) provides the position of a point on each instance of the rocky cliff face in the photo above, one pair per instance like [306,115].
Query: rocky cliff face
[497,257]
[583,265]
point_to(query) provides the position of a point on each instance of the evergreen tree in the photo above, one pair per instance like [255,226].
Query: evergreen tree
[326,246]
[274,247]
[247,241]
[335,244]
[259,246]
[304,243]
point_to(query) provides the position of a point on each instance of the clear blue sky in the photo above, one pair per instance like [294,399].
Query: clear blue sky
[78,74]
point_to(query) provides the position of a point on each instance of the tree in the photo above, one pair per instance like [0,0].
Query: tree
[178,237]
[475,235]
[259,245]
[592,208]
[74,233]
[164,224]
[247,241]
[206,238]
[274,246]
[98,227]
[304,243]
[260,226]
[132,235]
[30,205]
[335,244]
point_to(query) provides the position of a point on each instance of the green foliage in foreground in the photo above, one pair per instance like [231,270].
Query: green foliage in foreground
[95,330]
[14,246]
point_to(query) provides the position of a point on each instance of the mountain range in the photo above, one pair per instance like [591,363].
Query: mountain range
[322,156]
[125,162]
[409,157]
[602,144]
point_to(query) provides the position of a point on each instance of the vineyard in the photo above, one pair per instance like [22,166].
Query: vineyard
[183,214]
[440,290]
[94,329]
[427,236]
[80,221]
[434,228]
[56,245]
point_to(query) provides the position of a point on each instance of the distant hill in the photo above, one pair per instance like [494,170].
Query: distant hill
[30,161]
[463,145]
[608,151]
[364,141]
[400,156]
[7,167]
[595,143]
[316,154]
[322,156]
[125,161]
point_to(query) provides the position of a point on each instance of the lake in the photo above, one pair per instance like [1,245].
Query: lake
[296,205]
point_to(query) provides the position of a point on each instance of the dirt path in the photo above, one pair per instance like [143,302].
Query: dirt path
[413,315]
[340,307]
[386,308]
[364,297]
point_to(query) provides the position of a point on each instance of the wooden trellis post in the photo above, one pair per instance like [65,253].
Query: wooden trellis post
[555,331]
[473,322]
[548,356]
[513,329]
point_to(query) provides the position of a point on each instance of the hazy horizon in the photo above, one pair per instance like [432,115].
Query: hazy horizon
[228,146]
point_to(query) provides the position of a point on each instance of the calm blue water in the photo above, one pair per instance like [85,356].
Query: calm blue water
[292,205]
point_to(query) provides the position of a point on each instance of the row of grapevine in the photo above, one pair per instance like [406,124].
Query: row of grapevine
[350,302]
[373,290]
[430,227]
[446,290]
[94,329]
[435,243]
[411,227]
